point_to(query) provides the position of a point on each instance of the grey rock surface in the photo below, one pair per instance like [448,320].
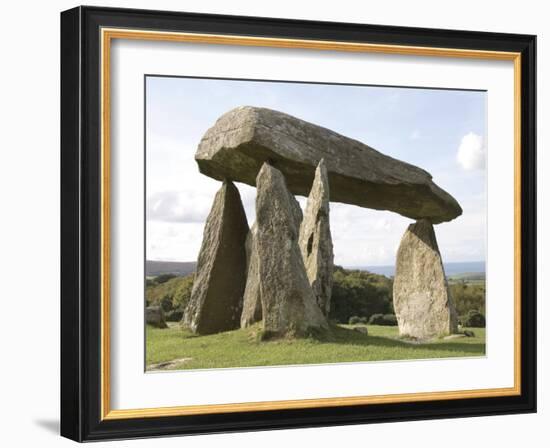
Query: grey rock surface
[252,303]
[154,315]
[244,138]
[315,239]
[361,329]
[215,304]
[289,306]
[421,296]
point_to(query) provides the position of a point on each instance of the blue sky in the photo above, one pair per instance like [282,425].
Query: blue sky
[442,131]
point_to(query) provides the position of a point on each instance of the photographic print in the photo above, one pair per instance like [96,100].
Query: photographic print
[293,223]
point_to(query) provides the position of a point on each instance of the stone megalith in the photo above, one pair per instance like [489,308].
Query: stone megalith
[216,298]
[288,304]
[421,297]
[244,138]
[252,303]
[315,239]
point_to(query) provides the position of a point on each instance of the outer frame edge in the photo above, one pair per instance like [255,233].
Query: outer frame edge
[101,430]
[529,221]
[71,384]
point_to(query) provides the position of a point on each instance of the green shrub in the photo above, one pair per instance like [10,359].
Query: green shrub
[163,278]
[172,294]
[174,316]
[354,320]
[166,303]
[473,319]
[388,320]
[376,319]
[359,293]
[468,296]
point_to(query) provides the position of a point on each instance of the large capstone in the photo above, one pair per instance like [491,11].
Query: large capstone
[421,296]
[252,303]
[316,241]
[244,138]
[288,303]
[216,299]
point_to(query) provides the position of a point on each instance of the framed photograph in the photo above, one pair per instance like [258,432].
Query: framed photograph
[273,223]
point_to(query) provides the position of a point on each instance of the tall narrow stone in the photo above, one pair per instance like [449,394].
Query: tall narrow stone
[252,303]
[316,241]
[288,304]
[216,299]
[421,296]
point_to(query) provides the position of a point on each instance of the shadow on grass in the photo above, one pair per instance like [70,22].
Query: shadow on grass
[348,336]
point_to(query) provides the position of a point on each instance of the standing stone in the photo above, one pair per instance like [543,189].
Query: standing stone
[252,303]
[216,299]
[421,296]
[316,241]
[288,303]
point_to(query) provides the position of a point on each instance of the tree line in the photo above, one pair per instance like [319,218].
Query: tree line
[357,297]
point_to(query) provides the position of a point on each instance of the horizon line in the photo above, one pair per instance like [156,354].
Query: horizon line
[336,264]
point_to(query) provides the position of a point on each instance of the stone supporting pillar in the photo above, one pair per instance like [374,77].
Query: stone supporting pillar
[316,240]
[252,303]
[215,304]
[289,306]
[421,297]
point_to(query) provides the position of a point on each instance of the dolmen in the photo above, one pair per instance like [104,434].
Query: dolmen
[279,272]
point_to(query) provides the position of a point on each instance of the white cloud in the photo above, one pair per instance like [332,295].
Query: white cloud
[471,152]
[365,237]
[173,241]
[187,205]
[248,198]
[415,135]
[178,206]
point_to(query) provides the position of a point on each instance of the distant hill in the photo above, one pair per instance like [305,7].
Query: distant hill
[468,276]
[467,270]
[471,271]
[154,268]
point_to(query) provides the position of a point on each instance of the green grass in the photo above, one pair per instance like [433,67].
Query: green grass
[242,348]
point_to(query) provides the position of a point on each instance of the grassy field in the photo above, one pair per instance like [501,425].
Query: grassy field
[175,348]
